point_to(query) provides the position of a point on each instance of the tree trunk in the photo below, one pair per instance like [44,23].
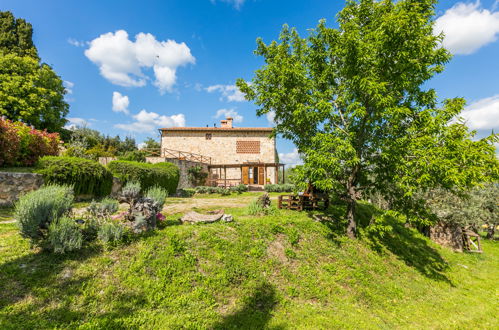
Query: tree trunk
[351,204]
[491,230]
[352,225]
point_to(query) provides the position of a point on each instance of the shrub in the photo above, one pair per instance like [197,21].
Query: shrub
[111,233]
[104,208]
[240,188]
[187,192]
[196,175]
[134,156]
[131,191]
[22,145]
[86,176]
[223,191]
[279,187]
[65,235]
[213,190]
[158,195]
[37,209]
[164,175]
[256,208]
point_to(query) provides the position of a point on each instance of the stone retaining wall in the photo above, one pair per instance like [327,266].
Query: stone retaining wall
[12,185]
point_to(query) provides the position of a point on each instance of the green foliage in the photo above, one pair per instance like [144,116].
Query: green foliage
[104,208]
[475,208]
[134,156]
[279,187]
[65,235]
[32,93]
[16,36]
[240,188]
[23,146]
[158,195]
[355,102]
[86,176]
[131,190]
[219,190]
[84,142]
[248,275]
[150,143]
[186,192]
[196,175]
[37,209]
[165,175]
[111,233]
[256,208]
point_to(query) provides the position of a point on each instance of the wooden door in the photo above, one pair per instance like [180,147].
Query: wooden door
[261,176]
[245,174]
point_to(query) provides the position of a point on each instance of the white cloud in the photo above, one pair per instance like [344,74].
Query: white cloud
[121,61]
[291,158]
[149,122]
[236,3]
[120,103]
[483,114]
[468,27]
[68,86]
[75,122]
[77,43]
[229,113]
[271,118]
[230,93]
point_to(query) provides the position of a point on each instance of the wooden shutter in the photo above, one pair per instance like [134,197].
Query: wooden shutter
[261,177]
[245,174]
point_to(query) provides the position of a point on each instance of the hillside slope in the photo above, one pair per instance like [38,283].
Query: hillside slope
[277,272]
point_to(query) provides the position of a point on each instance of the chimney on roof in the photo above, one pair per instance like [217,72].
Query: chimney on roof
[227,123]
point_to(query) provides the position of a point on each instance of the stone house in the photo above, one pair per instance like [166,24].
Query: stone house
[233,155]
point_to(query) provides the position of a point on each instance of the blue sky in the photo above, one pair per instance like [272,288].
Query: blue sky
[107,52]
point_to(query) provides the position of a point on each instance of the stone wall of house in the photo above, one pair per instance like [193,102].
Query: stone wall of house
[222,145]
[12,185]
[183,165]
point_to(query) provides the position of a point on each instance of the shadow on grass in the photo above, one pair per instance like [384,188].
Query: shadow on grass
[407,244]
[35,273]
[255,313]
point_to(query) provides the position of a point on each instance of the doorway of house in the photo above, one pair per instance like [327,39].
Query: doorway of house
[253,175]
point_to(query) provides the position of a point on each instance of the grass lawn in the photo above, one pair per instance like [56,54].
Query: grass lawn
[276,272]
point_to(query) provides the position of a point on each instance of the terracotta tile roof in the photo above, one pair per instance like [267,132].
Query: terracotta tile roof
[214,129]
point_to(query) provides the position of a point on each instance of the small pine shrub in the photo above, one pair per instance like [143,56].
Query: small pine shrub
[37,209]
[65,235]
[104,208]
[164,175]
[87,177]
[111,233]
[158,195]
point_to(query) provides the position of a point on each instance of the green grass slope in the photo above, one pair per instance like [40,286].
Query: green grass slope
[277,272]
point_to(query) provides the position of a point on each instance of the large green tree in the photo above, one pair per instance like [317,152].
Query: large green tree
[16,36]
[354,101]
[30,91]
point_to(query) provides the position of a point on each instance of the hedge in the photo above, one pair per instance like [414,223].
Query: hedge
[87,177]
[165,175]
[279,187]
